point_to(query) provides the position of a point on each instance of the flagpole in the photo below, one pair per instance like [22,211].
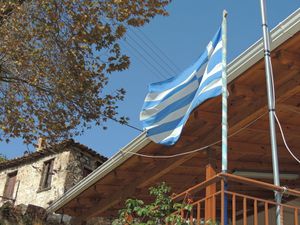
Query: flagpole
[224,109]
[224,93]
[271,105]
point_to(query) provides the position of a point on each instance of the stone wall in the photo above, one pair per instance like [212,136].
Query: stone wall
[78,161]
[69,167]
[28,180]
[34,215]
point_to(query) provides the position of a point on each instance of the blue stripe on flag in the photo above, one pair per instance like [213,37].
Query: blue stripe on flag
[168,103]
[171,108]
[150,104]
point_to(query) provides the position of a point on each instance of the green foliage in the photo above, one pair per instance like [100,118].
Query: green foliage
[56,57]
[3,158]
[161,210]
[211,222]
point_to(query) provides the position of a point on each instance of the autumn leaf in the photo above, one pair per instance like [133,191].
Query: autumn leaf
[56,57]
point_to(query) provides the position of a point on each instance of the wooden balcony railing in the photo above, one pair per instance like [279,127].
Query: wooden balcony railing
[242,209]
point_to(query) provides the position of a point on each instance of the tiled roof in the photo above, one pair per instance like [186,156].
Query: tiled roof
[61,147]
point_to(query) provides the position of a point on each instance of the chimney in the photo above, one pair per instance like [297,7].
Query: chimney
[41,144]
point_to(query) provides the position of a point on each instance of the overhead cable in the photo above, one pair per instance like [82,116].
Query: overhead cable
[150,68]
[142,48]
[167,57]
[158,55]
[125,124]
[195,150]
[157,72]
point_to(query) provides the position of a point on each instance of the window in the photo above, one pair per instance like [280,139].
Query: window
[98,164]
[86,171]
[10,185]
[47,175]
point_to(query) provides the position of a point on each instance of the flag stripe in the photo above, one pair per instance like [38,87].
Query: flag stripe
[172,107]
[169,103]
[172,116]
[174,95]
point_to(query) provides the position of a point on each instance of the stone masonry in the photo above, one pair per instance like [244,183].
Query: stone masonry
[71,162]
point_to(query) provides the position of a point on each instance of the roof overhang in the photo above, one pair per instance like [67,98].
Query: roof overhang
[126,174]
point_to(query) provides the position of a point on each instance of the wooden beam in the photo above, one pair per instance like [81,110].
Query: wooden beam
[152,173]
[289,108]
[285,91]
[245,113]
[255,149]
[288,58]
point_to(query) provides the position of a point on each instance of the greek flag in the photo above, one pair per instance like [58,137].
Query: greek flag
[168,103]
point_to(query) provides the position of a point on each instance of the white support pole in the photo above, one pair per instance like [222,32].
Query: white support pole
[271,105]
[224,110]
[224,93]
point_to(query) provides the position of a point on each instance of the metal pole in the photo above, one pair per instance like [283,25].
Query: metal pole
[271,105]
[224,93]
[224,109]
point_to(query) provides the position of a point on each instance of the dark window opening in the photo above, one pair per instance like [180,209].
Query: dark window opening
[98,164]
[86,171]
[10,185]
[47,175]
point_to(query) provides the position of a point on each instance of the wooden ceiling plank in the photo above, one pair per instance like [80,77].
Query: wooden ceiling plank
[287,85]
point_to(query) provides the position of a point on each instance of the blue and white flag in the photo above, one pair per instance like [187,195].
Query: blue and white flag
[168,103]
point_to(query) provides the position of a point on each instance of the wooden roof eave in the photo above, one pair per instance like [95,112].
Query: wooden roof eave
[121,156]
[244,61]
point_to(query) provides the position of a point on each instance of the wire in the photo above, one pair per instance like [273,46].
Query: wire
[195,150]
[126,124]
[149,55]
[175,155]
[283,138]
[154,51]
[167,57]
[157,72]
[143,62]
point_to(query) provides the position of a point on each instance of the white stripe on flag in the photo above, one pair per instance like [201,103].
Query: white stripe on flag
[171,117]
[167,109]
[156,96]
[149,112]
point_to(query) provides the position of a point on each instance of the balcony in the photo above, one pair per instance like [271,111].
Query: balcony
[209,198]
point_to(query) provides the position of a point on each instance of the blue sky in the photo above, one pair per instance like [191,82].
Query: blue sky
[182,36]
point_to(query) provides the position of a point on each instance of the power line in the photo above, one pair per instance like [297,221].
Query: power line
[125,124]
[143,62]
[167,57]
[195,150]
[161,76]
[171,68]
[149,55]
[157,72]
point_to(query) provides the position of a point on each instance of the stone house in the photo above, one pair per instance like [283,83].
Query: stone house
[45,175]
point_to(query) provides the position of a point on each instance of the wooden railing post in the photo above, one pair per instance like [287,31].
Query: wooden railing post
[210,190]
[296,217]
[240,211]
[245,211]
[255,213]
[233,210]
[266,214]
[198,213]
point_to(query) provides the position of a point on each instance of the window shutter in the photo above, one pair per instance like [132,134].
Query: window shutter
[10,185]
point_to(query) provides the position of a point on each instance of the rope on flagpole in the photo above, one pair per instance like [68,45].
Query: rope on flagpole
[195,150]
[283,138]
